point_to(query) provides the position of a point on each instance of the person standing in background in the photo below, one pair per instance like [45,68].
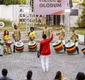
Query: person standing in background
[80,76]
[4,73]
[29,75]
[60,76]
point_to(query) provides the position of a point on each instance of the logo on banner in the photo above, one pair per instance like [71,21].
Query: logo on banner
[50,3]
[48,7]
[59,0]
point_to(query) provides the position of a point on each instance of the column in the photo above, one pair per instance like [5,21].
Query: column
[61,20]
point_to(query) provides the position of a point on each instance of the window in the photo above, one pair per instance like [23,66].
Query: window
[74,12]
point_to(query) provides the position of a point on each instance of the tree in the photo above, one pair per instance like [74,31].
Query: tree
[81,19]
[11,2]
[1,1]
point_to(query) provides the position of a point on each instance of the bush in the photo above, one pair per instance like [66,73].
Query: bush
[7,22]
[11,2]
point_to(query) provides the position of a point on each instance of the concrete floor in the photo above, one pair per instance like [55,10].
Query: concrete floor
[19,63]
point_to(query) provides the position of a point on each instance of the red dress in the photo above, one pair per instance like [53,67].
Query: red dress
[45,46]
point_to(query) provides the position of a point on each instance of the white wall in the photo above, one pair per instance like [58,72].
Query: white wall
[0,11]
[81,38]
[10,12]
[73,19]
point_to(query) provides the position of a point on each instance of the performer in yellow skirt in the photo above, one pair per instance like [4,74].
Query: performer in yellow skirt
[16,36]
[74,38]
[7,46]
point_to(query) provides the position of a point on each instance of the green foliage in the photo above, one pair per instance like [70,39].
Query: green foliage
[23,1]
[7,22]
[82,4]
[81,19]
[1,1]
[81,31]
[11,2]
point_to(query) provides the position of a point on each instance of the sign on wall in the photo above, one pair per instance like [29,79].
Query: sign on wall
[49,7]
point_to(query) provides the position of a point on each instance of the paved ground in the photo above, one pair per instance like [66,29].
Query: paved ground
[19,63]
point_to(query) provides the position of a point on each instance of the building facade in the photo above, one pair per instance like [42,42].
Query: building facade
[16,13]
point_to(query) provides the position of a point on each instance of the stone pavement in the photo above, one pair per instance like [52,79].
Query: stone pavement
[19,63]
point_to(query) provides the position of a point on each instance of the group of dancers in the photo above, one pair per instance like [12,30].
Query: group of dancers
[44,49]
[73,41]
[6,46]
[5,43]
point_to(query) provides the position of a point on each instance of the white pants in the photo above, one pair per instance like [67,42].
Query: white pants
[1,50]
[45,62]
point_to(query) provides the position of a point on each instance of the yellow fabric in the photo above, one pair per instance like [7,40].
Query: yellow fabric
[6,37]
[16,35]
[62,34]
[32,35]
[74,37]
[47,32]
[7,49]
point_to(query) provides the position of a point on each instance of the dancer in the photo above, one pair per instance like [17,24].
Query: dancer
[16,36]
[74,39]
[61,36]
[45,52]
[46,31]
[31,34]
[32,46]
[7,42]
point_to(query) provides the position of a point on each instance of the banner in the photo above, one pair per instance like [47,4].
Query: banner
[50,7]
